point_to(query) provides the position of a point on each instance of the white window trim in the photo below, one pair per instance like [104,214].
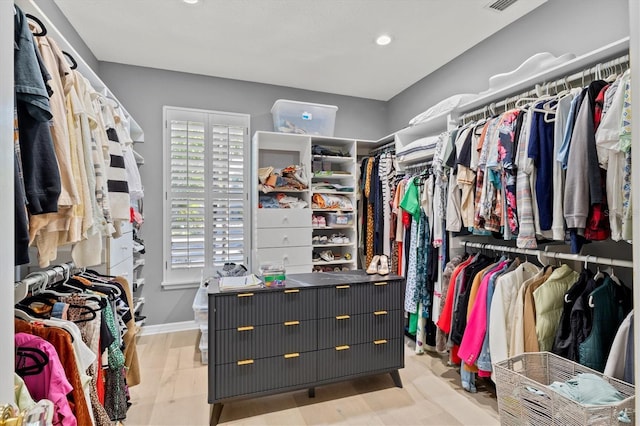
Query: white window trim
[218,117]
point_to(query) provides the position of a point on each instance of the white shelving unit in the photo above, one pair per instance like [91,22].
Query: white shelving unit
[285,236]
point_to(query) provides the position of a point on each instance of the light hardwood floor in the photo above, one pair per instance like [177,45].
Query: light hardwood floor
[174,392]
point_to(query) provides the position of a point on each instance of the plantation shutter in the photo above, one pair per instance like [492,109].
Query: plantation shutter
[206,195]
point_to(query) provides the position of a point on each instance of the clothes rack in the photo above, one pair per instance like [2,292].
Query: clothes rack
[387,147]
[417,167]
[552,254]
[48,276]
[595,72]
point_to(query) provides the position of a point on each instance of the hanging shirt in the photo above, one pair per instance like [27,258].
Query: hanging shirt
[541,147]
[51,383]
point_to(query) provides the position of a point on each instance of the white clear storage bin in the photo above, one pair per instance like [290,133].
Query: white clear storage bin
[204,336]
[201,306]
[204,355]
[303,118]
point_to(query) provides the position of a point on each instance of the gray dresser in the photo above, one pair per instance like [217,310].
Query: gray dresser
[320,328]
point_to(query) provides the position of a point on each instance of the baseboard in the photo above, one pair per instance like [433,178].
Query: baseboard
[171,327]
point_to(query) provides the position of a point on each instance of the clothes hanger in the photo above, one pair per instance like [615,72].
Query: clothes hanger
[100,279]
[25,313]
[74,64]
[39,358]
[43,29]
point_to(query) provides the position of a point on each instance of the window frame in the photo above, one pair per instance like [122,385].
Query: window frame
[191,277]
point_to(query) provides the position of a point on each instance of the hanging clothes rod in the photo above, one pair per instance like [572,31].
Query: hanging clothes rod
[595,71]
[387,147]
[46,277]
[418,166]
[552,254]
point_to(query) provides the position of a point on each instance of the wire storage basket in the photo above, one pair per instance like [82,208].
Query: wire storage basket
[524,397]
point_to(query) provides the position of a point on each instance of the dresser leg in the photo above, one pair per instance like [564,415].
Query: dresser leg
[395,375]
[216,410]
[311,392]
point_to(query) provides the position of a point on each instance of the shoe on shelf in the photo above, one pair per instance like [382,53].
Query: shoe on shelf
[336,269]
[383,268]
[315,240]
[323,239]
[316,257]
[327,255]
[314,221]
[347,256]
[345,239]
[336,239]
[373,266]
[322,222]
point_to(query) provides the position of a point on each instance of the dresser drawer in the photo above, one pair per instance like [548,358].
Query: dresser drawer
[258,375]
[284,218]
[264,341]
[360,298]
[348,360]
[120,248]
[264,307]
[289,256]
[283,237]
[123,269]
[362,328]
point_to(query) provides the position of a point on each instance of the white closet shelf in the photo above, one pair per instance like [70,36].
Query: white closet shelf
[333,176]
[333,210]
[333,245]
[283,190]
[138,305]
[333,262]
[315,228]
[438,123]
[330,191]
[137,284]
[333,159]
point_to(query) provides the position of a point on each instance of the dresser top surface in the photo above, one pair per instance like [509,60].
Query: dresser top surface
[318,279]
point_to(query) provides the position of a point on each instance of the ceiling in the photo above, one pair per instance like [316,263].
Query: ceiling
[320,45]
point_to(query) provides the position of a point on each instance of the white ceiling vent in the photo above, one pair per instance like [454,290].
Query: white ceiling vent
[500,5]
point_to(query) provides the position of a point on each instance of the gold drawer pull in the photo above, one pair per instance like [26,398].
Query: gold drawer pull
[288,323]
[245,362]
[343,286]
[245,294]
[380,313]
[380,342]
[342,348]
[292,290]
[292,355]
[247,328]
[381,283]
[341,317]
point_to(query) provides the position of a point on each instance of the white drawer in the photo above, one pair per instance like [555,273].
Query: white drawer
[123,269]
[126,227]
[284,218]
[120,248]
[284,237]
[301,269]
[290,256]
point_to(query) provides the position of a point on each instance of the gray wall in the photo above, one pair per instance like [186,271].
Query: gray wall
[144,91]
[558,27]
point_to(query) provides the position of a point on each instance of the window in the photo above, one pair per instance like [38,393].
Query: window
[206,193]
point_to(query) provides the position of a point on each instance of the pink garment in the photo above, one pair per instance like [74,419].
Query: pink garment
[51,383]
[474,333]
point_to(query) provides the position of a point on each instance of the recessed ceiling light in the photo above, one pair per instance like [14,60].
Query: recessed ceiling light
[383,40]
[191,1]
